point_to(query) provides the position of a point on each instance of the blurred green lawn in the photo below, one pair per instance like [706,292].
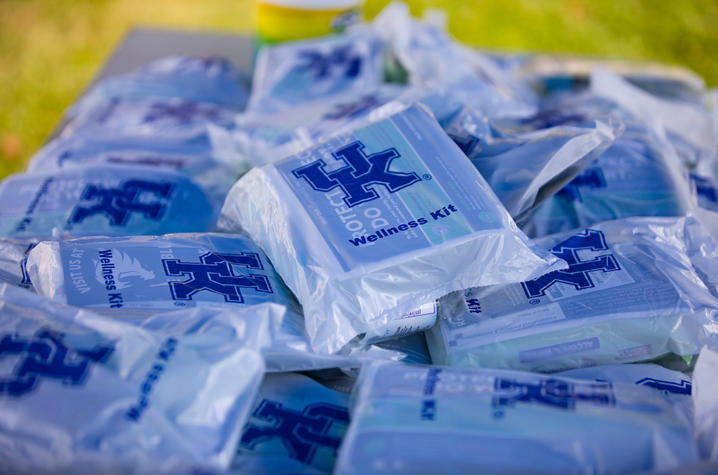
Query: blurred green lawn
[49,50]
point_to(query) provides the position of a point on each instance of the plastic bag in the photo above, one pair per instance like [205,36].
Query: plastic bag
[164,118]
[133,278]
[527,168]
[409,419]
[98,395]
[432,60]
[639,174]
[296,426]
[200,79]
[103,199]
[635,289]
[293,73]
[365,226]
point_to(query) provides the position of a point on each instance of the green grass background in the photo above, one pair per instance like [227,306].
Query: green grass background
[50,49]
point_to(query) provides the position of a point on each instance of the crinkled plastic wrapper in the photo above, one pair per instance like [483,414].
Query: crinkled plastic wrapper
[303,71]
[164,118]
[409,419]
[132,278]
[97,395]
[313,420]
[200,79]
[635,289]
[368,225]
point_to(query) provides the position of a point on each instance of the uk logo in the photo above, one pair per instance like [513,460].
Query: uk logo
[361,175]
[215,273]
[301,432]
[119,203]
[45,356]
[341,59]
[590,178]
[551,392]
[579,271]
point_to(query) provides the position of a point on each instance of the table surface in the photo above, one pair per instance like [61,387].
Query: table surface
[142,45]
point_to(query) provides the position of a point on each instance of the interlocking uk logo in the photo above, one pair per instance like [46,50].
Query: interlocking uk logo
[552,392]
[301,433]
[45,356]
[590,178]
[341,59]
[183,112]
[215,273]
[119,203]
[361,175]
[579,271]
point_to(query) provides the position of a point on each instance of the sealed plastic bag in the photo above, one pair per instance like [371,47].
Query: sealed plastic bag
[296,426]
[192,78]
[636,176]
[103,199]
[97,395]
[687,121]
[409,419]
[212,162]
[164,118]
[525,169]
[371,223]
[432,59]
[134,277]
[635,289]
[289,74]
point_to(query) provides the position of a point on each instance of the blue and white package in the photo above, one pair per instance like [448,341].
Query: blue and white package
[432,60]
[265,138]
[525,169]
[687,122]
[103,199]
[636,176]
[84,393]
[13,262]
[371,223]
[134,277]
[635,289]
[429,419]
[170,118]
[192,78]
[289,74]
[209,162]
[296,426]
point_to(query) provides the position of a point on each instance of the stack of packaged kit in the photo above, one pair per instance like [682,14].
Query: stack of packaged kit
[396,254]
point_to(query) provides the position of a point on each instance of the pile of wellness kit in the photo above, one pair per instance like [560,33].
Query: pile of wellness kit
[396,255]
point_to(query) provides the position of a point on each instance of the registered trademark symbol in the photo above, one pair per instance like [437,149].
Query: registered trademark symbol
[498,414]
[535,301]
[426,176]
